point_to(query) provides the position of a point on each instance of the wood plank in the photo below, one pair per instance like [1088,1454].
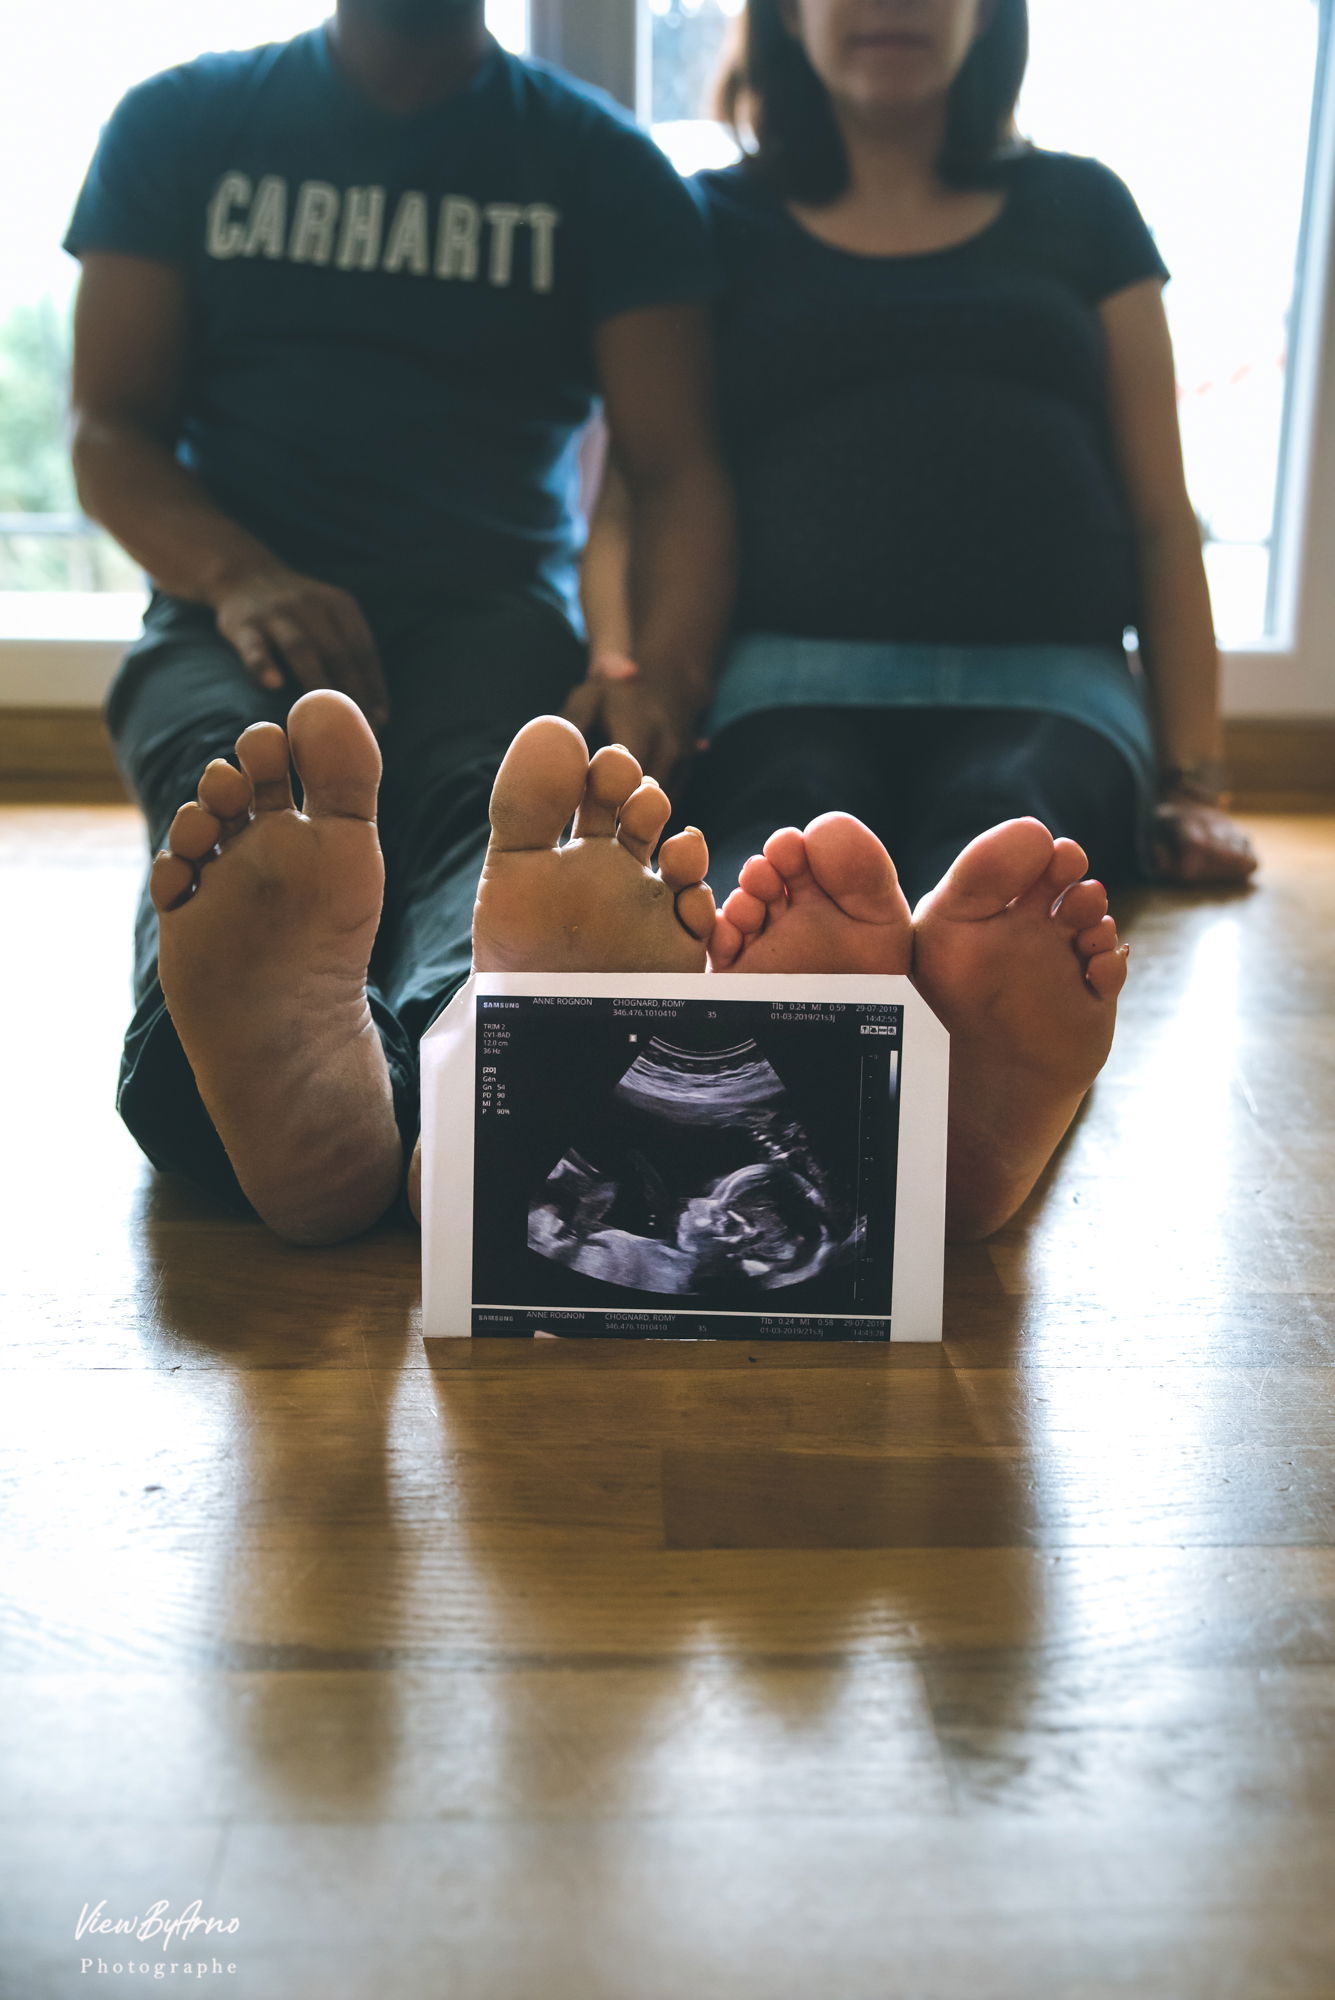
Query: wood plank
[61,755]
[1273,757]
[693,1737]
[299,1597]
[746,1903]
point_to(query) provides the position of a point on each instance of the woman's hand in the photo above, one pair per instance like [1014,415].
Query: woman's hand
[616,703]
[1198,843]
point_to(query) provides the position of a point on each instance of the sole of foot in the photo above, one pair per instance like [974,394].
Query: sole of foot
[592,903]
[1016,954]
[267,916]
[825,899]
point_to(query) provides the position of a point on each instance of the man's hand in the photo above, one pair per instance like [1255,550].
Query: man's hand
[280,617]
[615,703]
[1198,843]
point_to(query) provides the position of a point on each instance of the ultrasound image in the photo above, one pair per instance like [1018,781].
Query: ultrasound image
[685,1169]
[706,1183]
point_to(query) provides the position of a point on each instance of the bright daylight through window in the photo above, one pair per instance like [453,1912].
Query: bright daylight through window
[1203,107]
[1217,165]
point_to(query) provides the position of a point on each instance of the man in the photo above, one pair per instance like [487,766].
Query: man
[346,304]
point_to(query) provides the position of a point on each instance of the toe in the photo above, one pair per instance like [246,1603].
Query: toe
[1082,905]
[171,881]
[336,755]
[853,868]
[1106,972]
[786,852]
[613,776]
[725,941]
[643,818]
[539,785]
[684,860]
[993,870]
[696,912]
[1069,858]
[745,912]
[193,838]
[194,833]
[225,792]
[1069,862]
[263,752]
[761,880]
[1101,936]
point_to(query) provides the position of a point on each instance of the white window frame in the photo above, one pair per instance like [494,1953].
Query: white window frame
[1293,674]
[1289,676]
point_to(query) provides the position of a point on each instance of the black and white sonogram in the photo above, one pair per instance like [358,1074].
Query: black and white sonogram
[675,1168]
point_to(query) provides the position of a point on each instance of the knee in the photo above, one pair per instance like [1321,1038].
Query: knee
[170,766]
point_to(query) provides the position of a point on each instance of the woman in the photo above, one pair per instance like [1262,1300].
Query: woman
[947,398]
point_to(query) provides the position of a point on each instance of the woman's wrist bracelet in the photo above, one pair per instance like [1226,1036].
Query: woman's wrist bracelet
[1204,782]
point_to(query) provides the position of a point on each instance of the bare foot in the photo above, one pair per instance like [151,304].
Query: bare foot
[593,905]
[266,917]
[1018,956]
[826,900]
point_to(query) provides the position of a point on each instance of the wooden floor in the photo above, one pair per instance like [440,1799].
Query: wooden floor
[712,1674]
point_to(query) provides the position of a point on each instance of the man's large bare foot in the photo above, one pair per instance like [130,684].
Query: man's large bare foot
[266,917]
[1018,956]
[826,900]
[593,905]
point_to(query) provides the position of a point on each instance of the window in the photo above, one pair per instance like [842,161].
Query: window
[688,43]
[1204,108]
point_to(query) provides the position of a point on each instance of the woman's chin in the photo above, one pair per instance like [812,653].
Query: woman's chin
[890,89]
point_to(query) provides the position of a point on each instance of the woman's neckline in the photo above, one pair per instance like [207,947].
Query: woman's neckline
[897,256]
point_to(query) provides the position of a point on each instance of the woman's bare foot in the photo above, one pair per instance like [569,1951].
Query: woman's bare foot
[266,919]
[593,905]
[1018,956]
[826,900]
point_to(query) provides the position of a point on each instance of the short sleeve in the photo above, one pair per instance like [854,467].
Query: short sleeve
[740,215]
[647,244]
[1109,240]
[137,197]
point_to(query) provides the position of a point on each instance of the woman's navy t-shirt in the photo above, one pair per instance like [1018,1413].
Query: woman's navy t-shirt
[920,443]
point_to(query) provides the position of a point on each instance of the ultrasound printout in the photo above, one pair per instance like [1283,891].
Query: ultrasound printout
[683,1169]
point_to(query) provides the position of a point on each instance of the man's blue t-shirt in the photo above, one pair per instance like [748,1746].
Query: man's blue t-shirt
[393,315]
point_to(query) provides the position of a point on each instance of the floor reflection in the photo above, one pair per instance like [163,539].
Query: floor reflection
[309,1558]
[1149,1198]
[768,1652]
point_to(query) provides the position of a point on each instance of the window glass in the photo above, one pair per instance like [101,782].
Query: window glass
[688,41]
[1203,107]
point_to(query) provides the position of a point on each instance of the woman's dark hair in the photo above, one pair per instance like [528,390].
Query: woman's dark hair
[769,86]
